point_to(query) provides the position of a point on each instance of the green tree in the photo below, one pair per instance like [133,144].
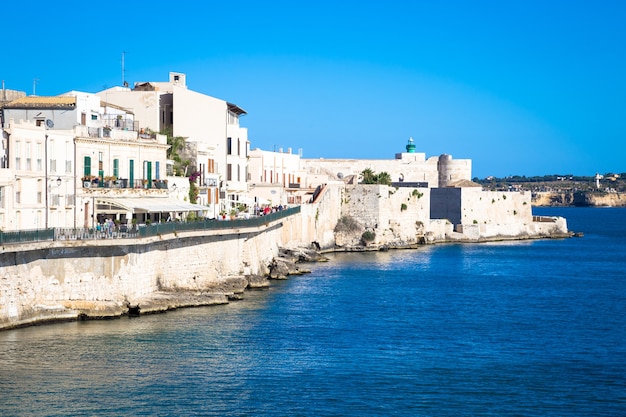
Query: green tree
[176,153]
[368,176]
[383,178]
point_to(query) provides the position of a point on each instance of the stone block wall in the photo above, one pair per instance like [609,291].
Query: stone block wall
[396,215]
[62,279]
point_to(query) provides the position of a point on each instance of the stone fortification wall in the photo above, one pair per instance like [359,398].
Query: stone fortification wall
[493,214]
[407,167]
[407,170]
[452,170]
[396,215]
[495,207]
[317,221]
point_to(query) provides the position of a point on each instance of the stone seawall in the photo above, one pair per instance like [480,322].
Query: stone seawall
[69,280]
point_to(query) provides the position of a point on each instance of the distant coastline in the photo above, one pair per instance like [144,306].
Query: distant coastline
[578,199]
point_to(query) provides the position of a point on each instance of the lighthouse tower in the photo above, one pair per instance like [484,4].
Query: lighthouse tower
[598,178]
[410,147]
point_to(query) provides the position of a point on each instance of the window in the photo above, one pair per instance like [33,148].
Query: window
[238,173]
[1,197]
[238,146]
[18,152]
[87,166]
[52,162]
[229,146]
[94,117]
[39,197]
[18,197]
[147,172]
[39,162]
[69,150]
[28,157]
[229,172]
[157,166]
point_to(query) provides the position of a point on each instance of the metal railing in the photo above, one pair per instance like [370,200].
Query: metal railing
[124,183]
[256,221]
[23,236]
[138,231]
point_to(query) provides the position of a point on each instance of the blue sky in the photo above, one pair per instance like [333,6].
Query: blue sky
[520,87]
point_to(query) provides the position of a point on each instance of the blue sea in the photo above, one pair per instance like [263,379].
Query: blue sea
[530,328]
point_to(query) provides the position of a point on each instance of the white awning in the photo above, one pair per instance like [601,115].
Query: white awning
[146,205]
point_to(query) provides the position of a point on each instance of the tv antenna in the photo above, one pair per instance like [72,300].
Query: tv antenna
[35,86]
[124,83]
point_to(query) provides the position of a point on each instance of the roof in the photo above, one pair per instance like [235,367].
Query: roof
[463,183]
[34,102]
[115,106]
[149,204]
[236,109]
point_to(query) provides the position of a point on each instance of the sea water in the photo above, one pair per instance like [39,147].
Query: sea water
[508,328]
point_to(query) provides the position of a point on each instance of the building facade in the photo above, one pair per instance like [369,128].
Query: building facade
[216,143]
[72,161]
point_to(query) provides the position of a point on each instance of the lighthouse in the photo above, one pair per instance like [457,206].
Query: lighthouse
[410,147]
[598,178]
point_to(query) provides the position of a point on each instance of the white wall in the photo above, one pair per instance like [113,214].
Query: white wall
[144,104]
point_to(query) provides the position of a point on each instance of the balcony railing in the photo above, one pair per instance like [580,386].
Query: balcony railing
[139,231]
[124,183]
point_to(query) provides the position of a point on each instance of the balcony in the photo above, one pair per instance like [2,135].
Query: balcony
[124,183]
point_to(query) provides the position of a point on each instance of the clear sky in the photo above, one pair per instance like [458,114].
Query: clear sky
[520,87]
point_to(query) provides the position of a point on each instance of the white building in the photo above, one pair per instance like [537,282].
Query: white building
[36,194]
[72,162]
[210,127]
[276,178]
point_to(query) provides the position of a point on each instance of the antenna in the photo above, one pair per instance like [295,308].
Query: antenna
[123,69]
[35,86]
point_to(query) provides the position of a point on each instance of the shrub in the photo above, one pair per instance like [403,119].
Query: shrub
[368,236]
[403,207]
[347,224]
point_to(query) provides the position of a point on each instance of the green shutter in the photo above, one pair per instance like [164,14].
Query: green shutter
[116,168]
[87,166]
[131,173]
[149,172]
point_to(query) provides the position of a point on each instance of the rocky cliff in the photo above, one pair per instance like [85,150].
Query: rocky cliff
[578,199]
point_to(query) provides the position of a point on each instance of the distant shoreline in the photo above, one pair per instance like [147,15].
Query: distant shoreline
[578,199]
